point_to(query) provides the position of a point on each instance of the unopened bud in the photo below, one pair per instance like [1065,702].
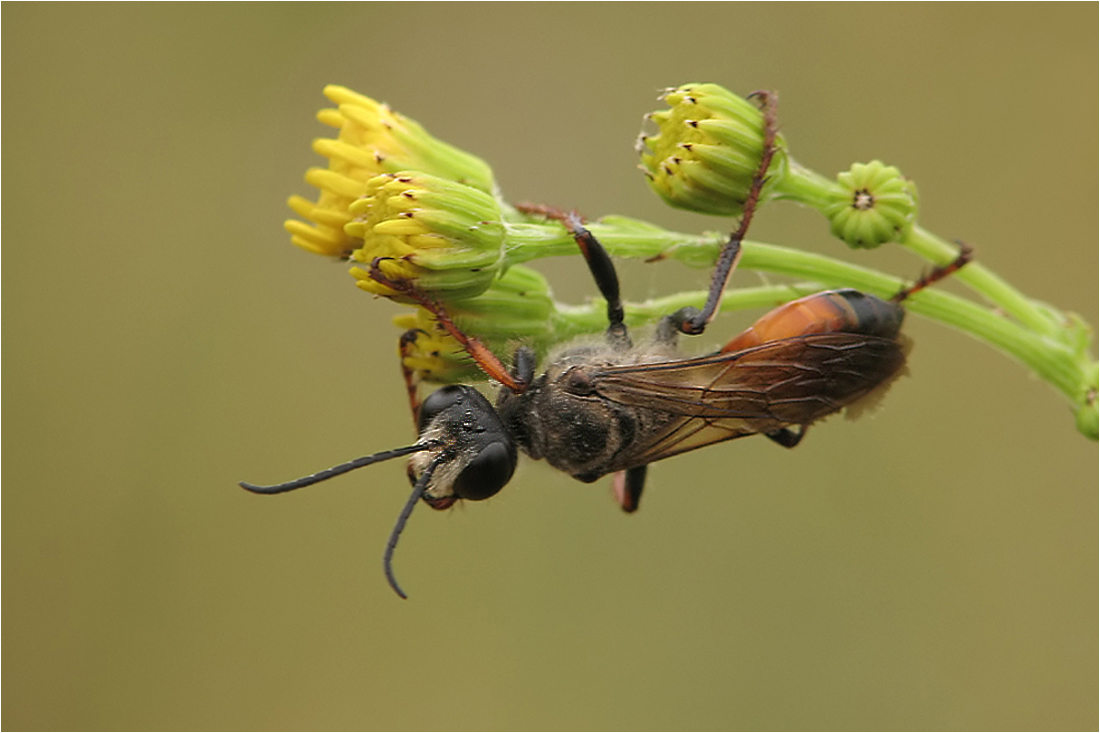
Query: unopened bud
[707,150]
[445,237]
[873,204]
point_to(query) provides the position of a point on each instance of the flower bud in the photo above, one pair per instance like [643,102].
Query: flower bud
[446,237]
[872,204]
[707,150]
[373,139]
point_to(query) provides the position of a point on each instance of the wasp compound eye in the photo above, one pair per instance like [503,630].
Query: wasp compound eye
[487,473]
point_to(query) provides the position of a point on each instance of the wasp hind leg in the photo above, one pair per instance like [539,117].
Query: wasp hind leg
[966,254]
[786,437]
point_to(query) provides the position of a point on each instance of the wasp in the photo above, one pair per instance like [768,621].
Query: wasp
[614,407]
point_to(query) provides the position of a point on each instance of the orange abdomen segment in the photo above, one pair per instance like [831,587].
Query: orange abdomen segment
[834,311]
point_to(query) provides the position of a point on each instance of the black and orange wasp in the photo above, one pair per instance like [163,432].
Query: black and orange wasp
[614,408]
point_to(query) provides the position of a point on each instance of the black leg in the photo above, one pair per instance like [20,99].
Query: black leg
[628,487]
[523,365]
[599,264]
[787,437]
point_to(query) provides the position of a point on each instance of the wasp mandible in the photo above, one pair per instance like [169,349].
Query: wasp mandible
[614,408]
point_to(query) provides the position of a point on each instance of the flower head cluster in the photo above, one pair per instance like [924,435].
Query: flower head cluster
[372,139]
[707,150]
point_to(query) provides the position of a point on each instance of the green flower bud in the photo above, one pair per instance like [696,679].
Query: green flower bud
[517,306]
[373,139]
[707,150]
[873,204]
[446,237]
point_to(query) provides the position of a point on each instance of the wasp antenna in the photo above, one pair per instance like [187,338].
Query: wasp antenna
[337,470]
[399,526]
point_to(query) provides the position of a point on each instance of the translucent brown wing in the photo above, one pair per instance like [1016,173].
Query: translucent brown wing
[720,397]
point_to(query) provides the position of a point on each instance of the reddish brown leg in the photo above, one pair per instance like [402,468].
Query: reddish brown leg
[966,252]
[548,212]
[485,359]
[404,347]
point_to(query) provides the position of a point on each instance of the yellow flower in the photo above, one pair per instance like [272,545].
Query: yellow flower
[707,150]
[372,139]
[445,237]
[433,355]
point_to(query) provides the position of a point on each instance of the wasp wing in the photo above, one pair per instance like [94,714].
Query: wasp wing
[710,399]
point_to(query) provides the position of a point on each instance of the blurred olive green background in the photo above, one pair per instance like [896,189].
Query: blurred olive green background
[932,567]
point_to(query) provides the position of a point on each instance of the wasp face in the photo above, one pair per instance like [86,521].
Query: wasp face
[479,456]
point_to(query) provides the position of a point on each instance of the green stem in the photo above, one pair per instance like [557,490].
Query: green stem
[809,188]
[804,186]
[620,236]
[571,321]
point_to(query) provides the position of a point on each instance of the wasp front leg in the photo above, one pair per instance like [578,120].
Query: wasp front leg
[485,359]
[405,347]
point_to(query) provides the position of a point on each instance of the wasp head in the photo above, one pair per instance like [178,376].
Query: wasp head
[475,456]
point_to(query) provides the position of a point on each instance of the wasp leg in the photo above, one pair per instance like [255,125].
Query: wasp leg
[599,264]
[404,348]
[607,280]
[966,253]
[523,365]
[670,327]
[486,360]
[628,487]
[787,437]
[693,321]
